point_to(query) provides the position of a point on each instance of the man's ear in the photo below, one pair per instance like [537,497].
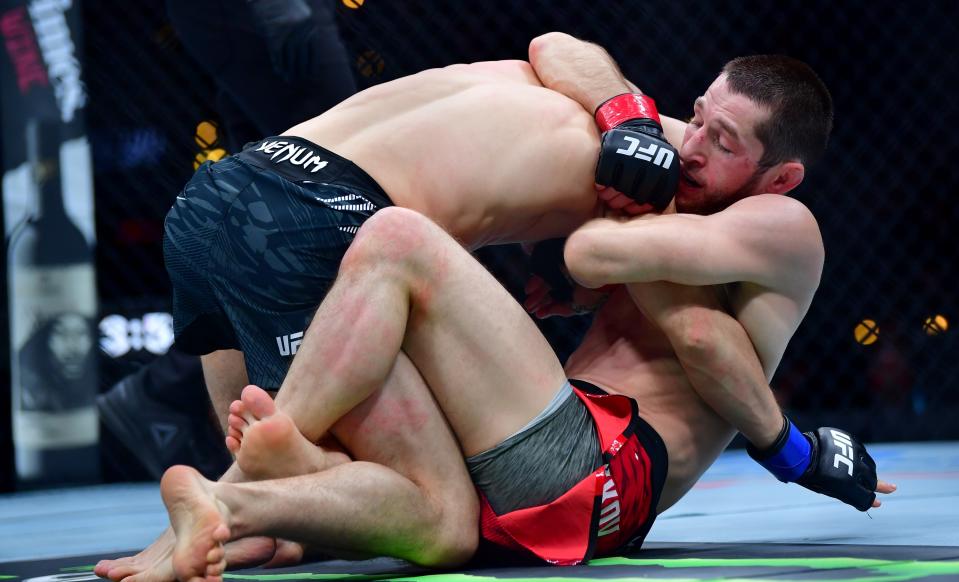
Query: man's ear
[783,177]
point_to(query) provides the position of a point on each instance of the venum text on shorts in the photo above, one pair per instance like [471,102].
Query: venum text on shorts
[281,151]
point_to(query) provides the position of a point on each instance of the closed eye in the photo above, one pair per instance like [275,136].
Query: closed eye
[720,145]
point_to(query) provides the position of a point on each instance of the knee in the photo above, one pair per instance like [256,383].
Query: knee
[453,548]
[393,234]
[452,553]
[456,537]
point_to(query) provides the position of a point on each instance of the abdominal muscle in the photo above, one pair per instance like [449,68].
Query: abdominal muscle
[624,353]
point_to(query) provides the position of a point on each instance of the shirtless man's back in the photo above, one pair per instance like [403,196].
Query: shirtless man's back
[253,242]
[482,149]
[406,290]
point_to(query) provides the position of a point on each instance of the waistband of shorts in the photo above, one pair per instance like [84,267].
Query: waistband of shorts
[649,438]
[302,161]
[562,396]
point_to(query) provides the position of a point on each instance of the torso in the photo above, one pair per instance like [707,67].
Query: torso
[625,353]
[484,150]
[488,153]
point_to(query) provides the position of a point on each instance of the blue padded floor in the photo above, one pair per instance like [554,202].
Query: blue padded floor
[738,523]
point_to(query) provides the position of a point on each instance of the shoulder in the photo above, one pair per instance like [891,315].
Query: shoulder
[775,211]
[781,229]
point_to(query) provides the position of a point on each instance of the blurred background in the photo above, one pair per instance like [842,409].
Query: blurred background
[109,106]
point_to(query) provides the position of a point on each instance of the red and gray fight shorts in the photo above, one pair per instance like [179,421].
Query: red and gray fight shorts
[609,509]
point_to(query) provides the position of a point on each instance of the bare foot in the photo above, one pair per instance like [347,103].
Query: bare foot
[161,571]
[200,522]
[149,560]
[267,443]
[155,564]
[287,554]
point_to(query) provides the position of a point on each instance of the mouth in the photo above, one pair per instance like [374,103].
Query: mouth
[688,180]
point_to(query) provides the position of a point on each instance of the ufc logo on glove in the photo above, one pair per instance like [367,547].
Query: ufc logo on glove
[844,455]
[664,157]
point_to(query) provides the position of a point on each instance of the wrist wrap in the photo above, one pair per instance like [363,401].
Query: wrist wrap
[788,457]
[621,108]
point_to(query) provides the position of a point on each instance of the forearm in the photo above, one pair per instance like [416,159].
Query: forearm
[580,70]
[607,252]
[717,355]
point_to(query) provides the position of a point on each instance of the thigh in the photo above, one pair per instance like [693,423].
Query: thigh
[274,260]
[400,426]
[486,362]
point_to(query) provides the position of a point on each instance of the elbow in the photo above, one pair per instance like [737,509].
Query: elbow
[581,260]
[546,49]
[696,338]
[544,43]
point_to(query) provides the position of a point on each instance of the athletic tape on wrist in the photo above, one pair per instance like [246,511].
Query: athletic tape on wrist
[790,462]
[622,108]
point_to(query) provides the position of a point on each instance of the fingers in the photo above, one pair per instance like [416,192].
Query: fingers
[537,294]
[540,303]
[884,487]
[535,284]
[604,193]
[619,202]
[635,209]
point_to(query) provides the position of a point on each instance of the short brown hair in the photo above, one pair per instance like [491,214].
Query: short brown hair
[799,104]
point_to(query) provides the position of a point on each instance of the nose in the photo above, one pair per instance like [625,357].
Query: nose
[693,152]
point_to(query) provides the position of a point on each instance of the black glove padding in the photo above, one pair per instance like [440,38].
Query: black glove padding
[840,468]
[636,159]
[546,260]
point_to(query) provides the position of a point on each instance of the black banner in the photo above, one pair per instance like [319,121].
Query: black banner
[48,222]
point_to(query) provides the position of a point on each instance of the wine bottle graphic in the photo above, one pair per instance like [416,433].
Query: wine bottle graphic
[53,305]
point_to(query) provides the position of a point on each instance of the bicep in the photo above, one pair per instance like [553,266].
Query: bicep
[679,248]
[769,240]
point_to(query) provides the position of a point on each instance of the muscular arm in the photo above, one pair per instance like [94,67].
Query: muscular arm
[582,71]
[585,73]
[716,354]
[769,240]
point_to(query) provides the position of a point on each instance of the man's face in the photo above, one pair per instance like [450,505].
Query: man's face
[720,153]
[70,344]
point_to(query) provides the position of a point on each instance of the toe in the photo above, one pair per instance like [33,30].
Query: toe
[120,571]
[215,569]
[221,534]
[237,422]
[102,567]
[259,403]
[215,555]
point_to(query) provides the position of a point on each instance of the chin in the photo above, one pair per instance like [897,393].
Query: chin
[700,201]
[690,200]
